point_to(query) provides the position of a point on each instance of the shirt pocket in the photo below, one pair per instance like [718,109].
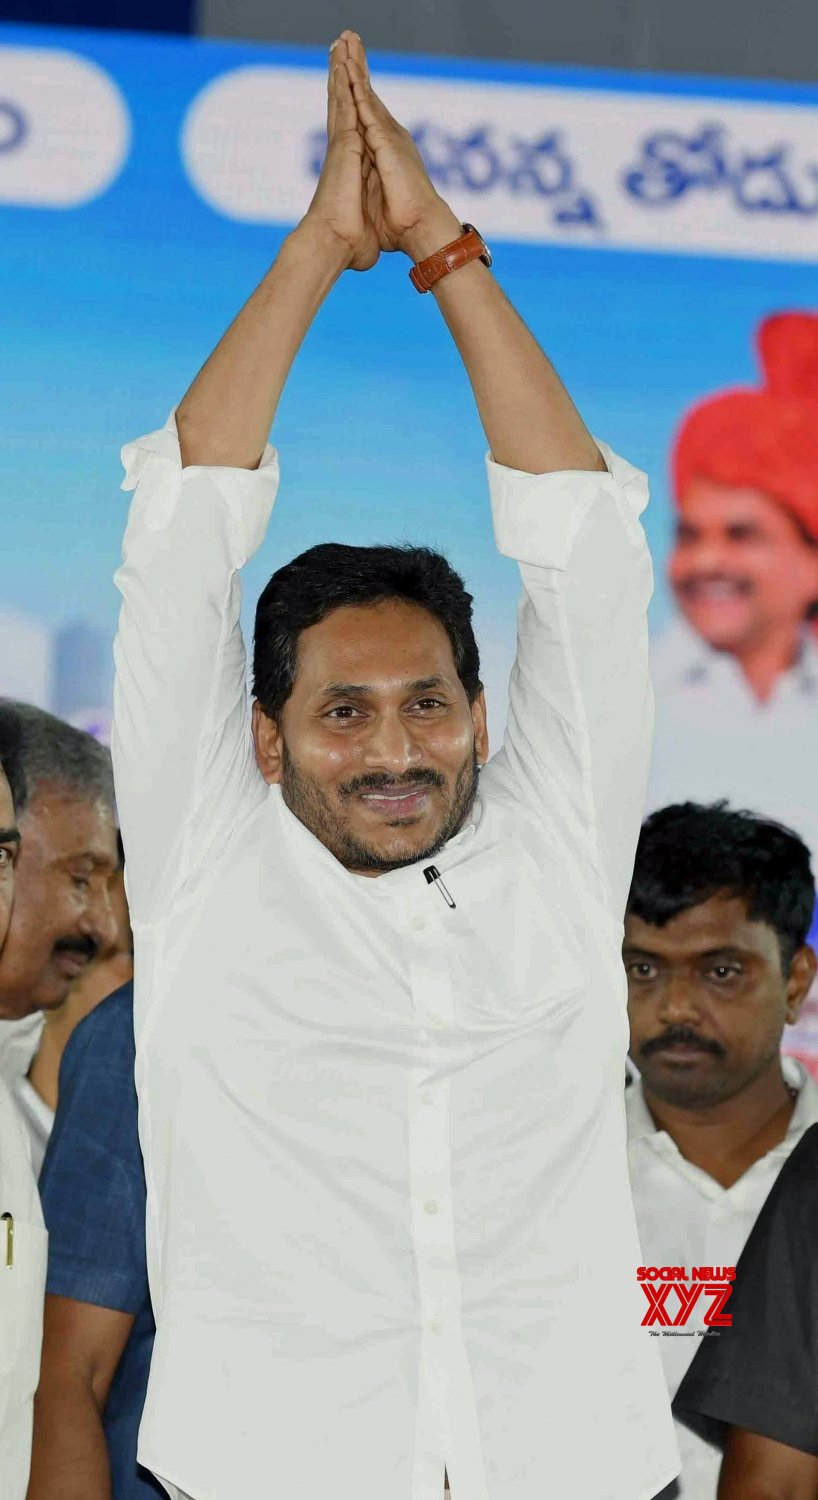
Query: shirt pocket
[22,1293]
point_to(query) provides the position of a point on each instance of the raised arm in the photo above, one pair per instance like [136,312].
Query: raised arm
[205,486]
[578,739]
[529,419]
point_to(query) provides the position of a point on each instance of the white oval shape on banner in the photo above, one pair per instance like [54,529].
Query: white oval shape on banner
[65,130]
[539,163]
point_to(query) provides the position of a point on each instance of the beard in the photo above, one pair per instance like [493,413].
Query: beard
[307,801]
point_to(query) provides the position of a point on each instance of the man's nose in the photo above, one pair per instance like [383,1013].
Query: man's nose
[391,745]
[678,1001]
[98,920]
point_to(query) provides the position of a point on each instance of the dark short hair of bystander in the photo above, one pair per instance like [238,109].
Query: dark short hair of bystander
[49,751]
[689,852]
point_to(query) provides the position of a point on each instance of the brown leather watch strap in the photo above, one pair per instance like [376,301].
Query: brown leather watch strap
[469,246]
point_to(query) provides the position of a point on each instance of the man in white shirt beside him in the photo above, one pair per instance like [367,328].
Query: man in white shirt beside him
[375,1187]
[736,675]
[66,909]
[718,964]
[22,1232]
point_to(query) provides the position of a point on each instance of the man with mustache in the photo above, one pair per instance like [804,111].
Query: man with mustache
[717,964]
[736,678]
[368,977]
[62,911]
[22,1234]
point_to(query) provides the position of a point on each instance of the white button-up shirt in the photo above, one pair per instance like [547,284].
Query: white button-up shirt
[714,739]
[23,1243]
[390,1226]
[688,1219]
[19,1044]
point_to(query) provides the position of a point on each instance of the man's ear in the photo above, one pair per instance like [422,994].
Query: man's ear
[799,983]
[479,719]
[269,745]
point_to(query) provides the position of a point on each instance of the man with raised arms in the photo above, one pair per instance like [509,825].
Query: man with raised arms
[390,1232]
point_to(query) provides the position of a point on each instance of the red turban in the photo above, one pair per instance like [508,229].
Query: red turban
[765,439]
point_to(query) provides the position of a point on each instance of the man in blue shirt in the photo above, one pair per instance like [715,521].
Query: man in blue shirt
[98,1329]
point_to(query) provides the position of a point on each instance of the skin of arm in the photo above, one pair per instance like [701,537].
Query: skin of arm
[375,194]
[82,1347]
[226,416]
[529,419]
[756,1468]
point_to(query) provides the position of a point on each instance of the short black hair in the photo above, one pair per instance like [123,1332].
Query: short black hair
[49,750]
[11,760]
[331,576]
[688,852]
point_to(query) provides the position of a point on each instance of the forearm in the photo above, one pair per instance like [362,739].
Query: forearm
[758,1468]
[226,416]
[69,1459]
[529,419]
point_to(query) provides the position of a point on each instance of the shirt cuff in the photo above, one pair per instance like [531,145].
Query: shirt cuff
[154,463]
[537,517]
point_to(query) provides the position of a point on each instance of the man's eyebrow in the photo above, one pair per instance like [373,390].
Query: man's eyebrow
[360,689]
[9,835]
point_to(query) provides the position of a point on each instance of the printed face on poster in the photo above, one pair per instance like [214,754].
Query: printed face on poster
[658,235]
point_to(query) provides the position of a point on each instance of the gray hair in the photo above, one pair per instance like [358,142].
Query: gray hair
[49,750]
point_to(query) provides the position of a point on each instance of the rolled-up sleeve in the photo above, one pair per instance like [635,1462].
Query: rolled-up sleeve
[181,739]
[578,736]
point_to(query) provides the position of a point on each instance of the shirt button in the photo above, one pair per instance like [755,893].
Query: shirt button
[431,1206]
[436,1327]
[427,1097]
[418,924]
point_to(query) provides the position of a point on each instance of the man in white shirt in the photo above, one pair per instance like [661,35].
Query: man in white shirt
[736,676]
[718,963]
[22,1233]
[63,913]
[374,1185]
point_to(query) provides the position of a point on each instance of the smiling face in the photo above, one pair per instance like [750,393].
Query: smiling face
[708,1001]
[62,912]
[741,568]
[376,748]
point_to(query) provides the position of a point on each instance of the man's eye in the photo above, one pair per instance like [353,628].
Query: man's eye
[641,971]
[427,703]
[342,711]
[81,882]
[723,972]
[6,858]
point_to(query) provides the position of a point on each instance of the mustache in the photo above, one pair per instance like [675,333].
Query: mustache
[683,1036]
[373,782]
[85,947]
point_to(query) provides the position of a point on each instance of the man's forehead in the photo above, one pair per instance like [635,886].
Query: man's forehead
[70,824]
[375,645]
[721,921]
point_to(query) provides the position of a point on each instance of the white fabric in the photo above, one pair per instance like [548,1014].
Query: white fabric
[22,1290]
[19,1044]
[389,1218]
[685,1218]
[714,739]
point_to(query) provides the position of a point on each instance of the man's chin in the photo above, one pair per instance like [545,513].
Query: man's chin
[395,850]
[718,633]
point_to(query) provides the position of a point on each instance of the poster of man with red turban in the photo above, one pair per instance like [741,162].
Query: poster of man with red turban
[736,674]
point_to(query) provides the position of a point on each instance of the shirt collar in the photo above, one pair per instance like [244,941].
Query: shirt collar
[688,659]
[19,1041]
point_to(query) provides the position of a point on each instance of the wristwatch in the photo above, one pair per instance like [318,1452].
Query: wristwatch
[469,246]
